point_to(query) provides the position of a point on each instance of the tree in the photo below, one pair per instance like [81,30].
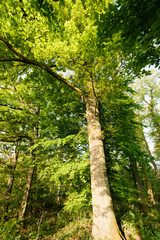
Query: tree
[67,42]
[136,24]
[147,95]
[11,176]
[123,148]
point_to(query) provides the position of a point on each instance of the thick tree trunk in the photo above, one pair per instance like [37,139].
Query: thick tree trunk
[138,185]
[104,222]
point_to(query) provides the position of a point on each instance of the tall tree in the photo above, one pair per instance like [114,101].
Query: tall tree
[68,40]
[147,96]
[12,174]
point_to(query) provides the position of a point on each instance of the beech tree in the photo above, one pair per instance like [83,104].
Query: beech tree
[147,95]
[58,77]
[60,37]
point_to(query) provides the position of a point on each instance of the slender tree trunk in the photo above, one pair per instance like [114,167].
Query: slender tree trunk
[104,222]
[151,157]
[146,147]
[29,181]
[155,168]
[26,194]
[149,186]
[140,133]
[59,195]
[150,191]
[14,163]
[11,176]
[138,185]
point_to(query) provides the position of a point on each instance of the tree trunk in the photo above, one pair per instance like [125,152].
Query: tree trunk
[29,180]
[155,168]
[150,191]
[104,222]
[26,194]
[13,167]
[151,157]
[59,195]
[138,185]
[11,176]
[146,147]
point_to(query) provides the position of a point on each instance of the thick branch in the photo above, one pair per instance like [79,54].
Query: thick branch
[26,60]
[20,55]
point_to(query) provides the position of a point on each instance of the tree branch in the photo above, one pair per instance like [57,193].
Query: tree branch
[11,107]
[12,139]
[21,99]
[26,60]
[11,60]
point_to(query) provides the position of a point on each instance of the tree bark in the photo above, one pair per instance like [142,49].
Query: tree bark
[151,157]
[26,194]
[11,176]
[138,185]
[14,163]
[29,180]
[104,222]
[150,191]
[59,195]
[157,127]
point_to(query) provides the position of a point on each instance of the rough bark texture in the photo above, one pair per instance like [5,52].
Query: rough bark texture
[104,222]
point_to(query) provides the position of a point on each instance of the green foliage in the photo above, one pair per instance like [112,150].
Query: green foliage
[147,89]
[63,37]
[147,227]
[80,229]
[10,229]
[136,24]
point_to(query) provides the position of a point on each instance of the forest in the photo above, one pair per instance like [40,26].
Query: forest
[80,120]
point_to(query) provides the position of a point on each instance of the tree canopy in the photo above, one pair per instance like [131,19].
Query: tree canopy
[136,23]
